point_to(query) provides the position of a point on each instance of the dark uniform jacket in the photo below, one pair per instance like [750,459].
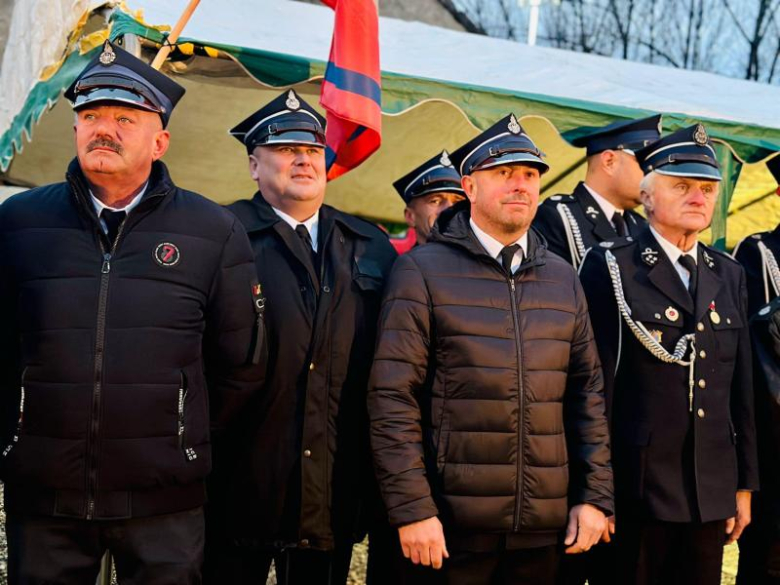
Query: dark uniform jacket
[103,351]
[302,471]
[486,398]
[761,289]
[677,465]
[593,225]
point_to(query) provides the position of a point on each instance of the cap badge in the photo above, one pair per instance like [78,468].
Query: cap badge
[672,314]
[292,102]
[108,55]
[445,159]
[513,126]
[650,256]
[700,135]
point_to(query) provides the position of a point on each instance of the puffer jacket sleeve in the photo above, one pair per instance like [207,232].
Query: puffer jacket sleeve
[234,343]
[398,376]
[10,368]
[587,432]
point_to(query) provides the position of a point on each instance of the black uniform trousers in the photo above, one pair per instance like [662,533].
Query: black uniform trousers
[156,550]
[652,552]
[294,566]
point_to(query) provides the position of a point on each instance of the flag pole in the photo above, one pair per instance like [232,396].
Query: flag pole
[165,50]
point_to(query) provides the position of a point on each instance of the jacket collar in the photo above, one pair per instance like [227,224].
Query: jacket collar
[265,218]
[592,210]
[452,228]
[160,182]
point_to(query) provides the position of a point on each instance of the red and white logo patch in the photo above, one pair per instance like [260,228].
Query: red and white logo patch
[167,254]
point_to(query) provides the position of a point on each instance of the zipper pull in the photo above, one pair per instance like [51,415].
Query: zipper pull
[106,263]
[512,283]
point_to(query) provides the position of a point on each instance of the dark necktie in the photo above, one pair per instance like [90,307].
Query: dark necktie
[507,255]
[620,224]
[689,264]
[112,219]
[305,237]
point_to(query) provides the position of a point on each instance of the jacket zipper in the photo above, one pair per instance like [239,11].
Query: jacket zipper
[18,431]
[189,452]
[100,342]
[520,404]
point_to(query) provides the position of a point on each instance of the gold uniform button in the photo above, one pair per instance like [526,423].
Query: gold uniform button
[700,413]
[702,383]
[700,327]
[307,453]
[702,354]
[305,542]
[311,367]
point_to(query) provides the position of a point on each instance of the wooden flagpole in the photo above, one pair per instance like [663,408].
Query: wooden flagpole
[165,50]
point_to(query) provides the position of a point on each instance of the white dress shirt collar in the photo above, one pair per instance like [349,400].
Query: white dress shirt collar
[674,253]
[100,206]
[493,247]
[312,224]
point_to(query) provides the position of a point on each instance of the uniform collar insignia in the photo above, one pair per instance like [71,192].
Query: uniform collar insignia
[292,102]
[513,126]
[708,260]
[607,244]
[592,211]
[650,256]
[108,55]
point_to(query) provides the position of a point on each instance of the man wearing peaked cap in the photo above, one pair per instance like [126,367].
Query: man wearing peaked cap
[759,547]
[670,318]
[602,206]
[295,484]
[427,191]
[485,375]
[127,308]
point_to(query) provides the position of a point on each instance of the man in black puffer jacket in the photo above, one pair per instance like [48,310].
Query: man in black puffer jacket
[118,328]
[486,403]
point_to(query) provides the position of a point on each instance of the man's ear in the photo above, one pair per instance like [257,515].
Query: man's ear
[409,216]
[162,139]
[254,166]
[609,162]
[470,187]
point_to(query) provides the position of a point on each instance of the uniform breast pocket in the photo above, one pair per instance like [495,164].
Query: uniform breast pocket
[727,335]
[662,322]
[367,275]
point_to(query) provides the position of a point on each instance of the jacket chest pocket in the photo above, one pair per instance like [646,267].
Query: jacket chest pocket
[726,333]
[664,323]
[367,276]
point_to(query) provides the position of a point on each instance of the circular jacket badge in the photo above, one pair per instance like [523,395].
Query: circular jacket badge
[167,254]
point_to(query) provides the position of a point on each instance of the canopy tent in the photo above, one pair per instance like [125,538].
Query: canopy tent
[439,88]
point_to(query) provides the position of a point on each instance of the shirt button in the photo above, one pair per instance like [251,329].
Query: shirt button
[700,327]
[702,354]
[307,453]
[326,289]
[702,383]
[700,413]
[311,367]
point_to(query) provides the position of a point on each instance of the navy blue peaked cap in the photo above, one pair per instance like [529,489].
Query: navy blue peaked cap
[116,76]
[628,135]
[433,176]
[287,119]
[504,143]
[685,153]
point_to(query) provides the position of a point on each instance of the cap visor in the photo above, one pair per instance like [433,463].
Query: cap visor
[514,158]
[114,95]
[300,138]
[691,170]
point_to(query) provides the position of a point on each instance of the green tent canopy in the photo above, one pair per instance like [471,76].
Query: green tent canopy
[439,88]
